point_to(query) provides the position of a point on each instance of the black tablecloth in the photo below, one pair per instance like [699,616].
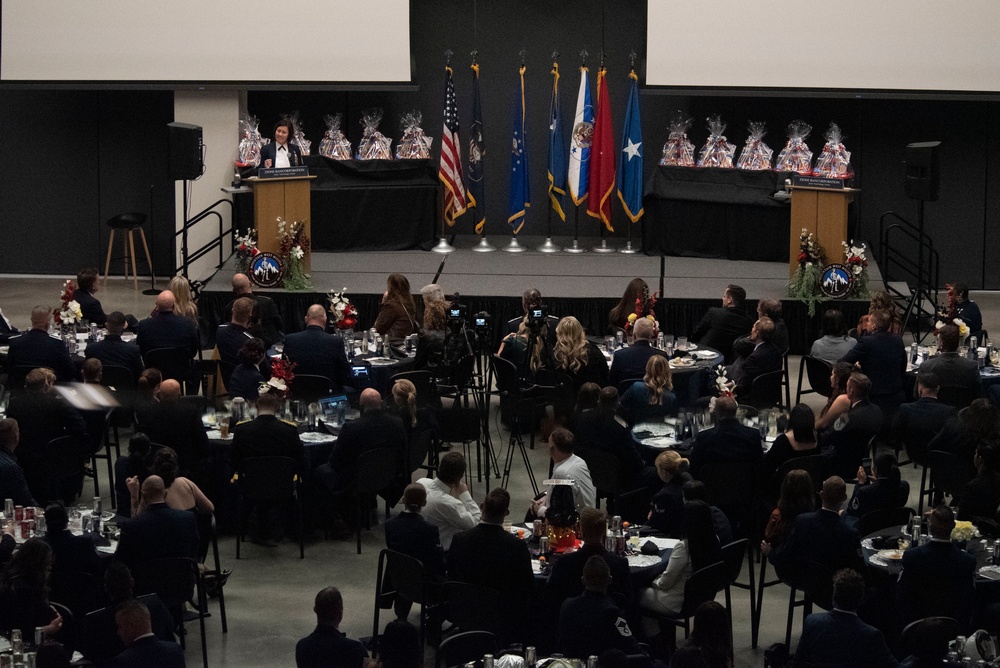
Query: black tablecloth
[717,213]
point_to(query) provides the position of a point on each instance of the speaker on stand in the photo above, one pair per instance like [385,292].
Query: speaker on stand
[922,181]
[151,290]
[185,164]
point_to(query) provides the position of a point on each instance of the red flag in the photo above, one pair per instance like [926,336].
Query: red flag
[450,169]
[602,157]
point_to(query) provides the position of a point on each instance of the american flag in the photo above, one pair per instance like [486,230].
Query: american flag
[450,170]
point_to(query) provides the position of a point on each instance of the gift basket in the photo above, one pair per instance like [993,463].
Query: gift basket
[834,161]
[678,151]
[334,144]
[374,145]
[796,156]
[298,137]
[249,149]
[717,151]
[414,144]
[756,155]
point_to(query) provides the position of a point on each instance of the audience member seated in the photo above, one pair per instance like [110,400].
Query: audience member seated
[666,508]
[13,484]
[650,399]
[489,556]
[327,645]
[165,329]
[821,536]
[7,330]
[599,429]
[449,504]
[592,621]
[399,646]
[916,423]
[929,648]
[960,306]
[835,343]
[846,442]
[882,357]
[697,549]
[409,533]
[837,403]
[722,325]
[404,406]
[86,286]
[70,553]
[142,647]
[799,440]
[630,362]
[728,441]
[182,494]
[147,388]
[937,578]
[184,304]
[397,316]
[316,352]
[35,348]
[695,490]
[877,491]
[112,350]
[568,466]
[247,378]
[265,323]
[430,342]
[565,580]
[7,542]
[637,290]
[175,423]
[41,417]
[528,349]
[531,299]
[880,301]
[764,358]
[134,464]
[839,637]
[710,633]
[766,308]
[24,591]
[232,336]
[953,371]
[577,357]
[157,531]
[961,435]
[981,496]
[798,496]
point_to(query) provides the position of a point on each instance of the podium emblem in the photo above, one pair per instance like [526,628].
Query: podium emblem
[266,270]
[836,281]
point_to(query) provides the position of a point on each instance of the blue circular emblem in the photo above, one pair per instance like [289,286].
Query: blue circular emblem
[266,270]
[836,281]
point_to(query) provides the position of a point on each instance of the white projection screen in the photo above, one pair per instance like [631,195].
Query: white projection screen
[918,45]
[205,41]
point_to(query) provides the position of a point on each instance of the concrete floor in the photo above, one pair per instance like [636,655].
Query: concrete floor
[270,594]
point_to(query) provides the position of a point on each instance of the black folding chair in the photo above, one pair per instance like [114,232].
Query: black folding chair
[605,473]
[883,519]
[173,363]
[176,581]
[463,648]
[376,470]
[765,391]
[702,586]
[818,373]
[403,576]
[307,387]
[268,480]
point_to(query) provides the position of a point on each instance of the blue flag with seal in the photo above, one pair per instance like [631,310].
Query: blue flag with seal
[630,161]
[582,136]
[477,156]
[557,155]
[520,192]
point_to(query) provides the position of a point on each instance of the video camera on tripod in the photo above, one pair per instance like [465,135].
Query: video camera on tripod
[537,317]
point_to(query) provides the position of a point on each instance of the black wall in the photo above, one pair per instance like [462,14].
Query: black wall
[126,129]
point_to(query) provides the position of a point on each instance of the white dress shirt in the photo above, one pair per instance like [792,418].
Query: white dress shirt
[575,469]
[448,514]
[281,156]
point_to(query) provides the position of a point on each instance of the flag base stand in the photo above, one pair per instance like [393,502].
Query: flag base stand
[628,250]
[575,248]
[603,248]
[483,246]
[443,246]
[548,247]
[514,246]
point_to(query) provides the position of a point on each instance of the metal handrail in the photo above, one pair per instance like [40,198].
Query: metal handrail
[925,271]
[189,257]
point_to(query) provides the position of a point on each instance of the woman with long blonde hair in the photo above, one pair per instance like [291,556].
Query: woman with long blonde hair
[651,398]
[184,304]
[576,357]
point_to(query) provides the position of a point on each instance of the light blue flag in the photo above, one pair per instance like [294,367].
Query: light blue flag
[630,160]
[583,135]
[520,193]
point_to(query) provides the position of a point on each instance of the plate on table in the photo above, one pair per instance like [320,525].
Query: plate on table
[704,354]
[690,347]
[989,371]
[682,362]
[661,442]
[891,555]
[315,437]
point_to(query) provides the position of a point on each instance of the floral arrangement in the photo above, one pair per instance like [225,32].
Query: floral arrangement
[280,383]
[293,247]
[855,258]
[643,309]
[963,531]
[69,311]
[246,249]
[723,386]
[345,314]
[805,284]
[963,329]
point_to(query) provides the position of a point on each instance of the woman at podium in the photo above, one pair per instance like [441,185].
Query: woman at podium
[280,153]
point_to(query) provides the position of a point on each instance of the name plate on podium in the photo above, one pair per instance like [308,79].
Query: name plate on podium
[825,182]
[282,172]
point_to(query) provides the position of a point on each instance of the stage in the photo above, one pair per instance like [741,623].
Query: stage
[586,285]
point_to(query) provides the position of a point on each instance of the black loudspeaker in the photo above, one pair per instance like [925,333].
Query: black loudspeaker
[185,151]
[922,170]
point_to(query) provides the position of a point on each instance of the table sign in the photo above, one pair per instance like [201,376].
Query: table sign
[282,172]
[827,182]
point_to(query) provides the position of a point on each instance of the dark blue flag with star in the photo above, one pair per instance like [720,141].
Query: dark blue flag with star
[477,156]
[520,194]
[630,160]
[557,152]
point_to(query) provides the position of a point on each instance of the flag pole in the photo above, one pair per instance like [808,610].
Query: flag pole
[575,248]
[443,246]
[513,246]
[548,246]
[483,246]
[629,250]
[603,248]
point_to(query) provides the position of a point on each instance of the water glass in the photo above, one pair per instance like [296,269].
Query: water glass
[609,344]
[8,509]
[682,343]
[660,341]
[619,338]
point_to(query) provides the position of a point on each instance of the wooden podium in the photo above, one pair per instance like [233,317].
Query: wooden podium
[823,212]
[285,198]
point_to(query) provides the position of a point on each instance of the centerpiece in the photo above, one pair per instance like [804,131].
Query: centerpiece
[293,246]
[805,284]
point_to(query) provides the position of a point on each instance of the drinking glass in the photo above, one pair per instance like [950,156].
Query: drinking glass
[619,338]
[609,344]
[279,347]
[682,343]
[223,426]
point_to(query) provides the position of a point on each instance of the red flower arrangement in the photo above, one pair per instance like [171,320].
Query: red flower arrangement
[280,383]
[643,309]
[68,312]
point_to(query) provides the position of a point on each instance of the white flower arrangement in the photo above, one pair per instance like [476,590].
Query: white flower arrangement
[273,384]
[722,382]
[71,313]
[963,329]
[298,253]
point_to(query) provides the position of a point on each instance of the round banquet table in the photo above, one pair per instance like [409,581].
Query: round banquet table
[691,381]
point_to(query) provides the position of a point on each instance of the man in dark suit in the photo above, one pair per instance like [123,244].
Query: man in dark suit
[821,537]
[280,153]
[35,348]
[376,428]
[409,533]
[488,556]
[765,358]
[916,423]
[142,647]
[727,441]
[846,442]
[839,638]
[599,429]
[592,622]
[7,330]
[882,357]
[937,578]
[158,531]
[177,424]
[230,337]
[90,306]
[113,350]
[165,329]
[327,645]
[265,322]
[316,352]
[721,326]
[631,362]
[70,553]
[12,481]
[952,370]
[766,308]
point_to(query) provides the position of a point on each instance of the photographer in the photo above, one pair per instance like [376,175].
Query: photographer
[528,349]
